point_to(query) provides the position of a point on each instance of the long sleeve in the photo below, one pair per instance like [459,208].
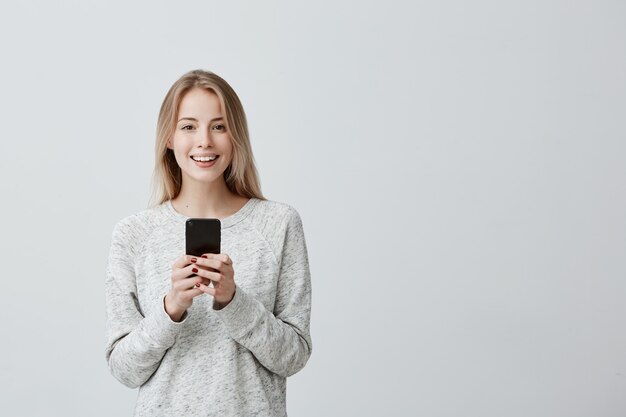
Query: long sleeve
[135,343]
[280,340]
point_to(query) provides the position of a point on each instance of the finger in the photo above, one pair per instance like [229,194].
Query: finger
[193,292]
[183,261]
[226,259]
[191,271]
[220,256]
[189,283]
[214,264]
[197,279]
[206,289]
[213,276]
[206,283]
[182,273]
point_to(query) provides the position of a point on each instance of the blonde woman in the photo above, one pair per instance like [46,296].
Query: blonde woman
[215,335]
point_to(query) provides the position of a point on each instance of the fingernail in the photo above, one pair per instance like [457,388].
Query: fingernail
[194,269]
[193,260]
[197,285]
[204,256]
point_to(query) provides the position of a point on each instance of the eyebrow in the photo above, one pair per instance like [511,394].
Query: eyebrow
[195,120]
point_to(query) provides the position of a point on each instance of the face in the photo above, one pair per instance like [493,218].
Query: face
[200,134]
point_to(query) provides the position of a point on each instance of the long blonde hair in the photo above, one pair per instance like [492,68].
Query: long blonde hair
[241,176]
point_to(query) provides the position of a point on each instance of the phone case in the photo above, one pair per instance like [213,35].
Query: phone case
[202,236]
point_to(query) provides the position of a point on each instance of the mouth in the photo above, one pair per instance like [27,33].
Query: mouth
[205,161]
[204,158]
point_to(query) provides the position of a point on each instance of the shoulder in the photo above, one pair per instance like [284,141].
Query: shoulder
[133,229]
[278,222]
[275,214]
[282,228]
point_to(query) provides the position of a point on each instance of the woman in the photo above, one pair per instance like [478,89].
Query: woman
[215,335]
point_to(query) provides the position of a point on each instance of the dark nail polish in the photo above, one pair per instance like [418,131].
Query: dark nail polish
[204,256]
[194,270]
[193,260]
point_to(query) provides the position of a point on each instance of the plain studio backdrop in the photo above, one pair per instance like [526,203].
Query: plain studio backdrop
[459,168]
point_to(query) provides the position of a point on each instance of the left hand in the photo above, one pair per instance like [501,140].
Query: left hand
[218,267]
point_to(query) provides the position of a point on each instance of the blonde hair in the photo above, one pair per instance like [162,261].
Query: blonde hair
[241,176]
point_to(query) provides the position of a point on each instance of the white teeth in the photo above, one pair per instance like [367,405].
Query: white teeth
[203,158]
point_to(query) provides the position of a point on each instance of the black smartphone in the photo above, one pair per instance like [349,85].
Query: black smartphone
[202,236]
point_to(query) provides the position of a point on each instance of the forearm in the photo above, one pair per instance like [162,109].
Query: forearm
[282,345]
[132,361]
[135,349]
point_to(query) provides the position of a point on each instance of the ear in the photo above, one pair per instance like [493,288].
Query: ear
[169,144]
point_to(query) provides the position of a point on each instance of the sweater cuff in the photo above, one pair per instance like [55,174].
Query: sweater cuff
[160,326]
[240,315]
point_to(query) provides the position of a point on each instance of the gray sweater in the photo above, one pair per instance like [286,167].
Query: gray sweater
[228,362]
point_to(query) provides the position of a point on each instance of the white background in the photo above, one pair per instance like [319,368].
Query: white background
[459,168]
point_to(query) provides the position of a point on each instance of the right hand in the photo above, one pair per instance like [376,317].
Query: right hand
[180,296]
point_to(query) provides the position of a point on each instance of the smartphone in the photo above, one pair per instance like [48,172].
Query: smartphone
[202,236]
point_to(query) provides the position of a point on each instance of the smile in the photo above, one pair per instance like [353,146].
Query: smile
[204,158]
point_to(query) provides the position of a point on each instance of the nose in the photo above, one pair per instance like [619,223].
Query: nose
[205,139]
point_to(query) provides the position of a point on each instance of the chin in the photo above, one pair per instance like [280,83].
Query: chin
[208,178]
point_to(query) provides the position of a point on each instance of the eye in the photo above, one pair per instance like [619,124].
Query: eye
[186,127]
[222,127]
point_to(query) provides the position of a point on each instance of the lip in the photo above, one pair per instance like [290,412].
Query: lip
[205,154]
[207,164]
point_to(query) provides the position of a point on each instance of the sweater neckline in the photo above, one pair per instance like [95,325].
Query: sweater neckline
[228,221]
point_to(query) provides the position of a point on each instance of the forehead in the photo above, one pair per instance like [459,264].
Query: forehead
[200,104]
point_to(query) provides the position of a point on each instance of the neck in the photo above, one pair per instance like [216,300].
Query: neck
[206,200]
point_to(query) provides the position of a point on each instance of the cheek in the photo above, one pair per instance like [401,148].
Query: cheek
[228,147]
[181,156]
[177,151]
[180,146]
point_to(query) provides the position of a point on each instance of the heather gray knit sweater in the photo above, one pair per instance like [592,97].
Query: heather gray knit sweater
[228,362]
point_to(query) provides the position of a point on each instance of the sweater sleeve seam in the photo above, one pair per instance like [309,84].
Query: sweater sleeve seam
[267,242]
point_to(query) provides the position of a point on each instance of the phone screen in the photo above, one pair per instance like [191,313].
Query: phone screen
[202,236]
